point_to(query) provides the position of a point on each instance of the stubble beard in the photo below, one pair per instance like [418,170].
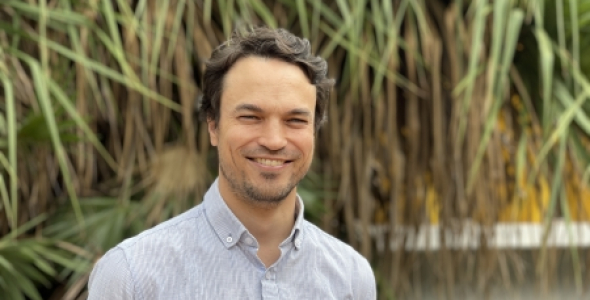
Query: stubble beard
[268,196]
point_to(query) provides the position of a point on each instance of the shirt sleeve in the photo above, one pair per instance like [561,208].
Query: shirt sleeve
[366,287]
[111,278]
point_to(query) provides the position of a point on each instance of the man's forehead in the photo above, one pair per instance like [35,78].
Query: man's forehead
[250,66]
[262,107]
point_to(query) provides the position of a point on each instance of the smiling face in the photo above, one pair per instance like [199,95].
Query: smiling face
[265,132]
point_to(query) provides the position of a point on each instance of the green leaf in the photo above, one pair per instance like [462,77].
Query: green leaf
[575,38]
[12,216]
[68,17]
[563,123]
[580,115]
[132,83]
[163,7]
[477,42]
[207,12]
[513,29]
[555,191]
[264,13]
[11,287]
[175,28]
[5,264]
[573,249]
[303,19]
[546,62]
[48,111]
[60,96]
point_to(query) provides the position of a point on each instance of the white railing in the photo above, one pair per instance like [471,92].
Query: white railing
[561,234]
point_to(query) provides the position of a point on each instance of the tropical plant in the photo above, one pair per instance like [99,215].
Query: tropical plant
[444,112]
[26,262]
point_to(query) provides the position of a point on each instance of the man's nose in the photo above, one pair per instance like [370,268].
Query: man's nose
[273,136]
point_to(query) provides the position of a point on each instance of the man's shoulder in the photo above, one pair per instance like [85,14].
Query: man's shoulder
[331,245]
[340,259]
[146,257]
[167,232]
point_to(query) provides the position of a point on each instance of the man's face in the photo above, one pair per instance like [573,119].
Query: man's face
[265,134]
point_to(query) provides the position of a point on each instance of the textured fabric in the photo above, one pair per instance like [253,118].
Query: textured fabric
[206,253]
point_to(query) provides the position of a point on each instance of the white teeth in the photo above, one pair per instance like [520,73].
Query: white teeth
[269,162]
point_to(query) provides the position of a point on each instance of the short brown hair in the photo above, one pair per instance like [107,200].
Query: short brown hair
[268,43]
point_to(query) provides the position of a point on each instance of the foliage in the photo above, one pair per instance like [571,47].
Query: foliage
[29,261]
[444,112]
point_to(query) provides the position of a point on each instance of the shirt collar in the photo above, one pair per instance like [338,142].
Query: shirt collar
[229,229]
[296,237]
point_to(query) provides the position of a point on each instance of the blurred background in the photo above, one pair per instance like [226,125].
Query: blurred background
[456,156]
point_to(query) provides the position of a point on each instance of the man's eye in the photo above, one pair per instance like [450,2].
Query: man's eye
[249,117]
[301,121]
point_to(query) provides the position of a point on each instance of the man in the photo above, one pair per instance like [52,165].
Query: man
[264,99]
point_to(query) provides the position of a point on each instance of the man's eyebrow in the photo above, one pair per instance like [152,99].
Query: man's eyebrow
[255,108]
[300,111]
[248,107]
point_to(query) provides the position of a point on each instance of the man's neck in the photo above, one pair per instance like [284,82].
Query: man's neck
[269,225]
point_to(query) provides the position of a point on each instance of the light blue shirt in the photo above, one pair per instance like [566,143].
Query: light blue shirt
[206,253]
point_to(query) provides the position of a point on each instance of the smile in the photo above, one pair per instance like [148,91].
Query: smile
[269,162]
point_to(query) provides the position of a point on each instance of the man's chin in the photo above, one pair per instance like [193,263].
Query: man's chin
[268,196]
[269,176]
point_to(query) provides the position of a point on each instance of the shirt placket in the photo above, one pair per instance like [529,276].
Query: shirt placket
[269,287]
[270,290]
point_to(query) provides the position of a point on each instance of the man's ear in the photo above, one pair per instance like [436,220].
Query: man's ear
[212,127]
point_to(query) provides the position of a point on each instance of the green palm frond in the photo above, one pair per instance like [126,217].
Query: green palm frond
[26,262]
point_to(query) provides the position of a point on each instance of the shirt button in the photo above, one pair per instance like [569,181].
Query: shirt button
[268,275]
[229,239]
[297,243]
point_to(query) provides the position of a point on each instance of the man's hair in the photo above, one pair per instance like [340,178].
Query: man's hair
[266,43]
